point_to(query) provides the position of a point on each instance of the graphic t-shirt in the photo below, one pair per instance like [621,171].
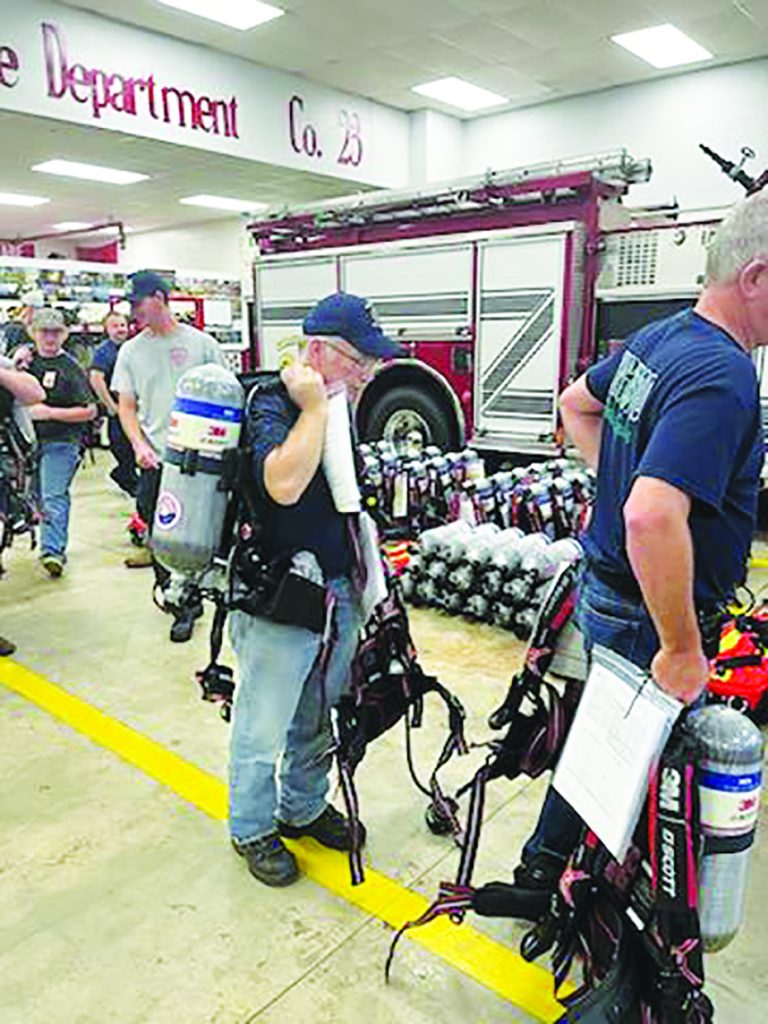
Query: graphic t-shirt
[65,385]
[149,367]
[682,405]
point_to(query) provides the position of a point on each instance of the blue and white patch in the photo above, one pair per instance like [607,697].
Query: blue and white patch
[168,511]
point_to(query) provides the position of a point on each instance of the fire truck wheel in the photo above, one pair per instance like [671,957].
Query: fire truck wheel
[406,410]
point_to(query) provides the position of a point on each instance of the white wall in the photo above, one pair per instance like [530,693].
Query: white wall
[665,120]
[213,247]
[436,146]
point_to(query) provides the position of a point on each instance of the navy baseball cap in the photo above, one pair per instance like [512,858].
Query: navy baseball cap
[145,283]
[351,318]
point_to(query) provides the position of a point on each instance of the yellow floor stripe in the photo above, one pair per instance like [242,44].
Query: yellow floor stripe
[488,962]
[758,563]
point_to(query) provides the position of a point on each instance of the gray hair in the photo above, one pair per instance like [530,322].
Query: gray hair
[741,237]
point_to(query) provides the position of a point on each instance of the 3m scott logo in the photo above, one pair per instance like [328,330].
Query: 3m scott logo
[668,862]
[670,789]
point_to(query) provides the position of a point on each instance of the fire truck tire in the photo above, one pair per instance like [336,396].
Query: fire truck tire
[406,408]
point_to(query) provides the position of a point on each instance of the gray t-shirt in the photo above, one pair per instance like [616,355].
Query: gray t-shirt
[149,367]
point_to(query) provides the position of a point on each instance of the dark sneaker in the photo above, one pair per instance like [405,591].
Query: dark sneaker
[6,647]
[330,829]
[184,622]
[53,564]
[269,860]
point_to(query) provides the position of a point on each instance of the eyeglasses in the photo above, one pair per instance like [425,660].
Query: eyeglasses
[362,362]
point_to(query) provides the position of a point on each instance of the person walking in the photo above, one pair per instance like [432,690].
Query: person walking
[102,370]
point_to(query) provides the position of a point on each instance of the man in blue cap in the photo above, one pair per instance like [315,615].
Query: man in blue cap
[285,684]
[146,374]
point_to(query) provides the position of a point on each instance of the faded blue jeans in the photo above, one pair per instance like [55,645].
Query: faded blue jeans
[56,469]
[279,717]
[623,626]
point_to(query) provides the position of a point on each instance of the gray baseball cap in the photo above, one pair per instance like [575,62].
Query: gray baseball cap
[48,320]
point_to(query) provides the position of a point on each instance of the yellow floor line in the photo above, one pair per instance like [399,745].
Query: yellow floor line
[467,950]
[758,563]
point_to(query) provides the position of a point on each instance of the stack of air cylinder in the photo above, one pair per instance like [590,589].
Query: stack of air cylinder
[486,573]
[415,490]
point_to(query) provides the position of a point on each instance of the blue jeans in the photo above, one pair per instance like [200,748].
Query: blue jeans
[279,711]
[57,466]
[624,626]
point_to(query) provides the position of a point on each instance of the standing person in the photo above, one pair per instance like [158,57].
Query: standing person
[283,690]
[146,374]
[672,424]
[59,424]
[18,389]
[101,373]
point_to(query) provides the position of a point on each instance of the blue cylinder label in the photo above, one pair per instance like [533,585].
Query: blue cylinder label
[168,511]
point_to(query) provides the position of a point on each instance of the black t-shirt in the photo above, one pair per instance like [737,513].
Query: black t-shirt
[65,385]
[312,524]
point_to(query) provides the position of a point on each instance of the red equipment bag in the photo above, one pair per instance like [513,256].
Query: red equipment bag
[739,672]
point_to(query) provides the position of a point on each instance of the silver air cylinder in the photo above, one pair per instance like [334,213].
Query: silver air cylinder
[191,506]
[729,767]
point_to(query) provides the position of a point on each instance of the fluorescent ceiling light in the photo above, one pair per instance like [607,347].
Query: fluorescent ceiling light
[240,14]
[91,172]
[17,199]
[663,46]
[224,203]
[71,225]
[458,93]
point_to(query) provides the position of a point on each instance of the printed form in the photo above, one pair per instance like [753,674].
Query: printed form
[621,726]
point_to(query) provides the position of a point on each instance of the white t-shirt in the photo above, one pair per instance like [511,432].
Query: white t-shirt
[149,367]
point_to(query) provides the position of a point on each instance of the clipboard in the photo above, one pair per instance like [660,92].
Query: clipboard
[620,728]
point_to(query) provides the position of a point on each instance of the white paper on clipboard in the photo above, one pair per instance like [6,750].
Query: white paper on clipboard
[621,727]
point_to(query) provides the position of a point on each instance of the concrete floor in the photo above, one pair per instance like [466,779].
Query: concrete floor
[120,902]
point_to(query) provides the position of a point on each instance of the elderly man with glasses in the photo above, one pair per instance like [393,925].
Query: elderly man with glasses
[286,683]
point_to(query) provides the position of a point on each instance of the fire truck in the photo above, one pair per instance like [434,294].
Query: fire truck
[501,289]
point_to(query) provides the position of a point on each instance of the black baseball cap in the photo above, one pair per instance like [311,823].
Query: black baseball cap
[145,283]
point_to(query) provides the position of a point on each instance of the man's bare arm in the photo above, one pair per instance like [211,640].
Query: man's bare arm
[660,551]
[583,420]
[129,420]
[99,385]
[26,389]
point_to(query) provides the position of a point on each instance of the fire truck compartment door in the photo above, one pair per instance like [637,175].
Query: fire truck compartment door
[521,286]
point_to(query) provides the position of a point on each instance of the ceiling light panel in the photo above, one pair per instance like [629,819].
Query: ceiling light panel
[71,225]
[19,199]
[239,14]
[224,203]
[89,172]
[663,46]
[458,93]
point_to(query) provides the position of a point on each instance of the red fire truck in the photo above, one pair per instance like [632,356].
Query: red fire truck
[489,284]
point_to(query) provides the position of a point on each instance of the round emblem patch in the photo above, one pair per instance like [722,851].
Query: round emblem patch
[168,511]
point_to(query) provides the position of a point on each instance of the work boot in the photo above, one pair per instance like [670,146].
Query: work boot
[53,564]
[269,860]
[330,829]
[6,647]
[184,622]
[141,559]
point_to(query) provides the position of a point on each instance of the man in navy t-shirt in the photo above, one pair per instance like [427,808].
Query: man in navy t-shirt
[102,368]
[285,686]
[672,424]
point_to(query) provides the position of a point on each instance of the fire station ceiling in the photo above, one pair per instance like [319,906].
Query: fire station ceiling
[526,50]
[174,171]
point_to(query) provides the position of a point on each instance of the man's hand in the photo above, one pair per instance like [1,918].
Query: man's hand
[681,674]
[306,386]
[145,455]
